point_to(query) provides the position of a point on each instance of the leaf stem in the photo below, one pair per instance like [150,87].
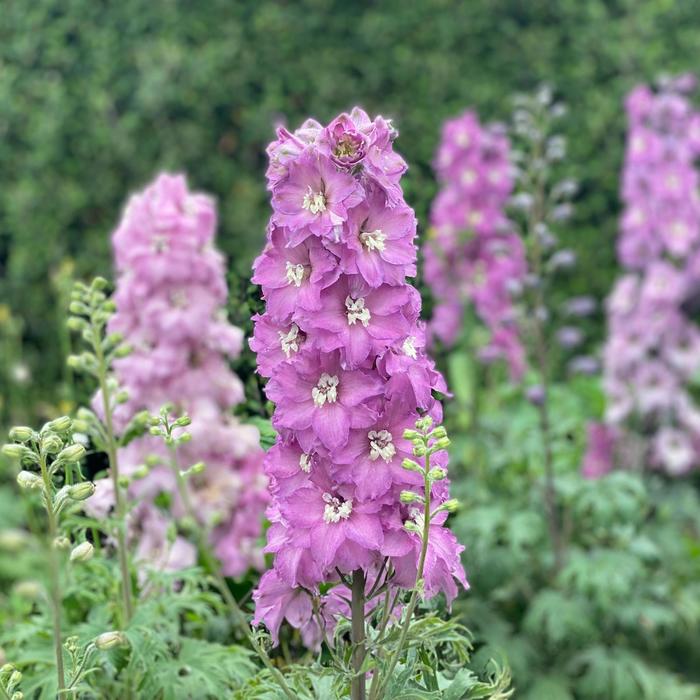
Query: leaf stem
[359,682]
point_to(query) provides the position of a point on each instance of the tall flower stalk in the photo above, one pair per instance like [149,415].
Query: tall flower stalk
[91,311]
[343,347]
[49,459]
[652,355]
[541,203]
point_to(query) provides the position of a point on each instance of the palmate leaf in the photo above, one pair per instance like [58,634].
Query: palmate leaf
[198,670]
[558,619]
[609,673]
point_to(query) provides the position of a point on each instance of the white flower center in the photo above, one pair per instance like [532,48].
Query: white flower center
[474,218]
[295,273]
[381,444]
[679,230]
[356,311]
[468,177]
[373,240]
[305,462]
[314,202]
[336,510]
[291,341]
[326,391]
[409,347]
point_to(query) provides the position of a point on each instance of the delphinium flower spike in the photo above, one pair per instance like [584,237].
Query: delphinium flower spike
[343,347]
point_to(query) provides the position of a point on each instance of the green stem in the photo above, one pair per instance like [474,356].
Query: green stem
[537,214]
[358,685]
[55,574]
[4,692]
[120,502]
[214,569]
[376,691]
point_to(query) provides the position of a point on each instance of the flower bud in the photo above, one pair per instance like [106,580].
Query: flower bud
[76,324]
[155,430]
[14,451]
[183,421]
[124,482]
[81,491]
[51,443]
[78,308]
[29,480]
[61,542]
[99,283]
[122,396]
[410,526]
[197,468]
[419,450]
[6,669]
[438,433]
[72,453]
[184,438]
[437,474]
[110,640]
[83,552]
[21,433]
[410,497]
[410,434]
[451,505]
[140,472]
[12,540]
[411,466]
[153,460]
[19,695]
[60,425]
[442,443]
[424,423]
[123,350]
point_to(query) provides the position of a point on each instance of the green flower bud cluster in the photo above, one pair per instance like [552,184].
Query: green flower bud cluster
[91,310]
[10,678]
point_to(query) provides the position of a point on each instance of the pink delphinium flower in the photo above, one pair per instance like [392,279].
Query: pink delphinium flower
[170,298]
[348,372]
[473,257]
[651,354]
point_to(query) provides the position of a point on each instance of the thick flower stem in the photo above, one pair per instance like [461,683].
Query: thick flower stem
[358,689]
[120,503]
[55,574]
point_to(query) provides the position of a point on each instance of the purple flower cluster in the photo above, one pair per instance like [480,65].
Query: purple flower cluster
[170,299]
[473,257]
[343,347]
[653,350]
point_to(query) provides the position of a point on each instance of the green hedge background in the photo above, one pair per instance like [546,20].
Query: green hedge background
[96,96]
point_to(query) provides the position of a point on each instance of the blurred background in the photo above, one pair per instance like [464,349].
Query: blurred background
[96,97]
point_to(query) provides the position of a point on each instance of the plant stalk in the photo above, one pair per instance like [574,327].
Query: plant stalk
[358,686]
[55,574]
[120,503]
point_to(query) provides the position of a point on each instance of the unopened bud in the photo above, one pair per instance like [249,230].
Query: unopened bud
[437,474]
[124,482]
[75,324]
[184,438]
[424,423]
[183,421]
[410,497]
[451,505]
[155,430]
[7,669]
[438,433]
[81,491]
[153,460]
[419,450]
[197,468]
[411,466]
[30,590]
[61,542]
[123,350]
[442,443]
[29,480]
[140,472]
[19,695]
[21,433]
[99,283]
[410,434]
[51,443]
[110,640]
[77,307]
[60,425]
[83,552]
[411,526]
[122,396]
[72,453]
[14,451]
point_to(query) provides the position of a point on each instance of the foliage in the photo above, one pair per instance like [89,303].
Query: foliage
[619,620]
[95,97]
